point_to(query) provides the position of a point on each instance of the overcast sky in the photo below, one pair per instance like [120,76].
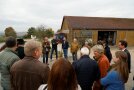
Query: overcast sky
[22,14]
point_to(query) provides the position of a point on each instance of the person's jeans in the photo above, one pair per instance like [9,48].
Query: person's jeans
[65,51]
[74,55]
[54,49]
[45,57]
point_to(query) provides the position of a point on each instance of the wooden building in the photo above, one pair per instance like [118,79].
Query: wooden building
[99,28]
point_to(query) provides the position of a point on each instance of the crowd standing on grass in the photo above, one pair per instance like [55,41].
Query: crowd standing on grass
[21,69]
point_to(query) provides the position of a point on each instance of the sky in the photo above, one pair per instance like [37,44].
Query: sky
[23,14]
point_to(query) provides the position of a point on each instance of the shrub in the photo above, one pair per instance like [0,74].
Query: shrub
[2,39]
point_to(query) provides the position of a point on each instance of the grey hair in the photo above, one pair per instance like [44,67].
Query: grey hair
[84,51]
[31,46]
[98,48]
[86,42]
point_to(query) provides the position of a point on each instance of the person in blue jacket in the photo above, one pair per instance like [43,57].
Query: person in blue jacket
[65,46]
[119,73]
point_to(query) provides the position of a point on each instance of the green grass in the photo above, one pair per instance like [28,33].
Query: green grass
[2,39]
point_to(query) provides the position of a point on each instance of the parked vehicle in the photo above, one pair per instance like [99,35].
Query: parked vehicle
[60,36]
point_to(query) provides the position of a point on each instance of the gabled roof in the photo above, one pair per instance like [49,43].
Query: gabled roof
[99,23]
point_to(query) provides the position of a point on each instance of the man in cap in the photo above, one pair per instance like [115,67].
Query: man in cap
[20,48]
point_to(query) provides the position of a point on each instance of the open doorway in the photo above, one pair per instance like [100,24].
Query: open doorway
[108,36]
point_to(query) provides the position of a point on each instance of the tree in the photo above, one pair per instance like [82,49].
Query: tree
[59,30]
[49,32]
[44,32]
[9,31]
[31,31]
[40,32]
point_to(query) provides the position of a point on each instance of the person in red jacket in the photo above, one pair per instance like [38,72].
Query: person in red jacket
[103,64]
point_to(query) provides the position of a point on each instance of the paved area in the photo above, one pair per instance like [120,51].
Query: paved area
[130,82]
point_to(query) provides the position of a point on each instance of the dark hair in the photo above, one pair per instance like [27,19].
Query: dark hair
[100,42]
[20,41]
[11,41]
[123,43]
[62,76]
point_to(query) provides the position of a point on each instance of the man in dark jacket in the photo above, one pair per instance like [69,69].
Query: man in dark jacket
[107,51]
[87,70]
[123,46]
[29,73]
[54,43]
[20,48]
[65,46]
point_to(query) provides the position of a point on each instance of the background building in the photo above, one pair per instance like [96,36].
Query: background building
[99,28]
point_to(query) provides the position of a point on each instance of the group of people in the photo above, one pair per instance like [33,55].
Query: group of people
[31,74]
[22,74]
[65,45]
[98,74]
[28,73]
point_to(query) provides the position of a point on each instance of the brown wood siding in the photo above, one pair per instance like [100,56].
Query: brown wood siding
[69,35]
[130,38]
[95,36]
[82,35]
[120,36]
[66,27]
[125,35]
[77,35]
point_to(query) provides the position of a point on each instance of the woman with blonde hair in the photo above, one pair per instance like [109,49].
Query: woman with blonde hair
[62,77]
[119,73]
